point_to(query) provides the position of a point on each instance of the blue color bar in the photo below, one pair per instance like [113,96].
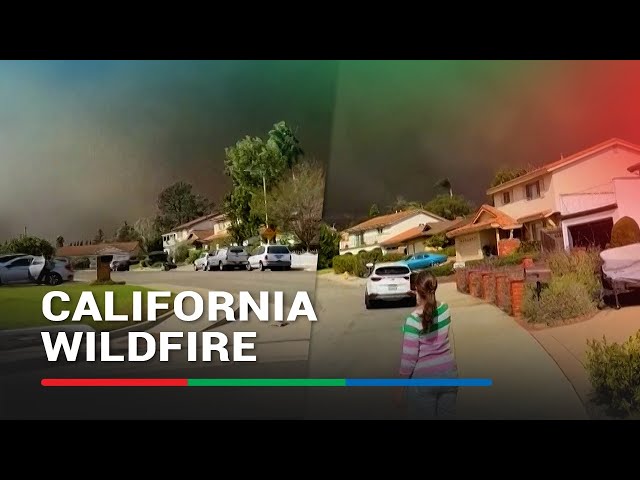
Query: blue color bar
[419,382]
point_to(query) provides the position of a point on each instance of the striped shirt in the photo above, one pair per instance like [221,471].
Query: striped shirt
[429,353]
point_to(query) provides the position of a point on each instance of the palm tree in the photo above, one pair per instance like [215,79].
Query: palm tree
[446,184]
[285,140]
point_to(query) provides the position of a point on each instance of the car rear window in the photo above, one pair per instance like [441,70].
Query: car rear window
[388,271]
[278,249]
[236,250]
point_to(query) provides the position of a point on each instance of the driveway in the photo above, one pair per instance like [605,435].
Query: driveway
[349,341]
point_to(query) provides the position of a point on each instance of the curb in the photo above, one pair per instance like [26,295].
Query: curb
[140,326]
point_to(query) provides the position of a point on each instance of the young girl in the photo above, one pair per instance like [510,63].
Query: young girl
[426,352]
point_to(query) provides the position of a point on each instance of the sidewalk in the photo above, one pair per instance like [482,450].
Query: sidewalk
[568,344]
[527,383]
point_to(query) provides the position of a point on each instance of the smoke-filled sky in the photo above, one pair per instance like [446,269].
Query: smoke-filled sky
[87,144]
[399,126]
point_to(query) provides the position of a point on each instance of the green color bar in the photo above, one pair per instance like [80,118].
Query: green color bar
[266,382]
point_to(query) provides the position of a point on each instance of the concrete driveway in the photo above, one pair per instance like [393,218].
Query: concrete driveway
[349,341]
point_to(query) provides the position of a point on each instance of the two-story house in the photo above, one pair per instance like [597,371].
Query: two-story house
[372,233]
[572,202]
[197,233]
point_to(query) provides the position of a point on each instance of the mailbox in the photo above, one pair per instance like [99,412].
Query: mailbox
[103,267]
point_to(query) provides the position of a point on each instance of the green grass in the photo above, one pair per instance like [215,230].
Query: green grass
[21,306]
[324,271]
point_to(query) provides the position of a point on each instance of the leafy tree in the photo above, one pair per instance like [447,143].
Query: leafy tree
[374,211]
[30,245]
[295,205]
[449,207]
[506,174]
[59,241]
[437,241]
[329,246]
[178,204]
[254,167]
[99,238]
[126,233]
[400,204]
[283,138]
[147,232]
[446,184]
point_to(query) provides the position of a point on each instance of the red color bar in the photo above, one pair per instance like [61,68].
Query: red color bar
[113,382]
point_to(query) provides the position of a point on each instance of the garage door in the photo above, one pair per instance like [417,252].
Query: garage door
[592,234]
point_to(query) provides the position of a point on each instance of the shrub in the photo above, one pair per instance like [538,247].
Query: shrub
[329,246]
[443,270]
[29,246]
[529,246]
[581,266]
[144,263]
[514,258]
[625,232]
[193,256]
[449,251]
[81,263]
[564,297]
[181,253]
[373,256]
[614,371]
[437,241]
[351,264]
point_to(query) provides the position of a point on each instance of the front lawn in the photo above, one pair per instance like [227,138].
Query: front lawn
[21,306]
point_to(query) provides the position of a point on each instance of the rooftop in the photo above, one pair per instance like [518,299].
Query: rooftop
[389,219]
[485,218]
[97,249]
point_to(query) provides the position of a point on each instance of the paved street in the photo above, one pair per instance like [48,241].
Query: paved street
[349,341]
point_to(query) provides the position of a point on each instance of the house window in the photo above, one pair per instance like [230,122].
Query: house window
[506,198]
[532,190]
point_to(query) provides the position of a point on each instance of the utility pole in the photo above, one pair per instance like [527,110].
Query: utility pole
[25,230]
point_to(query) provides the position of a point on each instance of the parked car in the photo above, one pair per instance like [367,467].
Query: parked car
[231,257]
[202,262]
[120,264]
[154,258]
[27,268]
[270,256]
[389,281]
[425,260]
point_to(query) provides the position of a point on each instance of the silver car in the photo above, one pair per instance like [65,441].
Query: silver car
[231,257]
[202,263]
[273,257]
[27,268]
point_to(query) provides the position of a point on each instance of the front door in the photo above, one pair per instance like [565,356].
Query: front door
[18,270]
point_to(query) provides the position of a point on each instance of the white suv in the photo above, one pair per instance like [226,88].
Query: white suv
[273,257]
[231,257]
[389,281]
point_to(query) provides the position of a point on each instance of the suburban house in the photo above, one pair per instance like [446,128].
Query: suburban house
[572,202]
[198,233]
[413,240]
[373,232]
[117,249]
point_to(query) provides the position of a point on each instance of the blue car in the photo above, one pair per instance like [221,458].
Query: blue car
[425,260]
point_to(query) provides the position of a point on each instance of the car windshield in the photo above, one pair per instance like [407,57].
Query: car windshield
[390,271]
[278,249]
[9,257]
[236,250]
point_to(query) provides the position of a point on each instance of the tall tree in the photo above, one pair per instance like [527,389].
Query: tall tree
[178,204]
[329,246]
[59,241]
[446,184]
[400,204]
[99,238]
[284,139]
[254,167]
[449,207]
[148,233]
[296,205]
[126,233]
[374,211]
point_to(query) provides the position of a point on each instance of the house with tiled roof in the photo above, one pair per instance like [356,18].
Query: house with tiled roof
[198,233]
[414,239]
[570,202]
[92,251]
[373,232]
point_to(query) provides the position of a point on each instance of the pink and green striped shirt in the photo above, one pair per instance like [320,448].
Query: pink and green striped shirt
[425,354]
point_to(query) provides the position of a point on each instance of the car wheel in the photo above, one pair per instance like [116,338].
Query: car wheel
[249,267]
[195,267]
[261,267]
[54,279]
[368,303]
